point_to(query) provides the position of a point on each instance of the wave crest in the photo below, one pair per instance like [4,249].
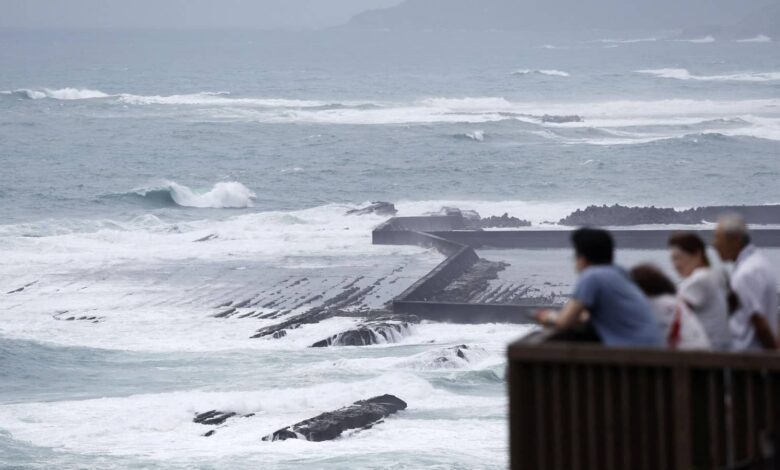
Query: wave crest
[684,74]
[704,40]
[57,94]
[231,194]
[759,38]
[547,72]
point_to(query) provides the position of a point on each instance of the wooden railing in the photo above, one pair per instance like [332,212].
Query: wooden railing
[575,406]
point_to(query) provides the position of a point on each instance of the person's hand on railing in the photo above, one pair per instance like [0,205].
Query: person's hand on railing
[547,317]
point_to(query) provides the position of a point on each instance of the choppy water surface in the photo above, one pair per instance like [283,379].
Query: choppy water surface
[119,151]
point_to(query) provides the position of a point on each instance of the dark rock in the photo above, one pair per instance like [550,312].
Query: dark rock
[226,313]
[20,289]
[505,221]
[279,334]
[213,417]
[561,119]
[385,329]
[210,433]
[618,215]
[328,426]
[378,208]
[207,238]
[457,356]
[351,297]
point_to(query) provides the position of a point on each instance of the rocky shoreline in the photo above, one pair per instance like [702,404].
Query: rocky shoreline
[618,215]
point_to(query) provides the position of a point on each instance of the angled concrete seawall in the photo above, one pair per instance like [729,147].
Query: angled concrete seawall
[450,236]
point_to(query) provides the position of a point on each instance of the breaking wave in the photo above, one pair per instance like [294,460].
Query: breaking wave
[548,72]
[704,40]
[230,194]
[476,136]
[760,118]
[759,38]
[684,74]
[626,41]
[57,94]
[221,98]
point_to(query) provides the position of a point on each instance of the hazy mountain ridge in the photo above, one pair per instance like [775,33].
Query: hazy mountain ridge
[732,17]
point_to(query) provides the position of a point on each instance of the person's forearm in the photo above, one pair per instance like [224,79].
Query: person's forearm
[569,315]
[763,332]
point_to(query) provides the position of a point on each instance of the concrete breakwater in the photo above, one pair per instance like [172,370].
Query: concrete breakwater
[463,288]
[450,234]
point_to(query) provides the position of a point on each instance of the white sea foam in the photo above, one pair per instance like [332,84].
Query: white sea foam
[478,136]
[159,426]
[548,72]
[744,126]
[684,74]
[627,41]
[759,38]
[218,99]
[220,107]
[607,116]
[58,93]
[24,93]
[702,40]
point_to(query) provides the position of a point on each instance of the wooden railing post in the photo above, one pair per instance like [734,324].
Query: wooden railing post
[681,383]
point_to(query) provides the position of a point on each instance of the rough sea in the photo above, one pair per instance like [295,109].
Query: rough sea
[149,177]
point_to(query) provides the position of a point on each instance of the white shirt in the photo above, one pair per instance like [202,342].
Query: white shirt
[755,284]
[704,291]
[691,333]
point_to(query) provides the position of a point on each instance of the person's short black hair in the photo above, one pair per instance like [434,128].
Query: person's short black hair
[595,245]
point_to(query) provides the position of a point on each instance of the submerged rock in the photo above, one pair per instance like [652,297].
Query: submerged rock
[457,356]
[328,426]
[561,119]
[378,208]
[213,417]
[386,329]
[20,289]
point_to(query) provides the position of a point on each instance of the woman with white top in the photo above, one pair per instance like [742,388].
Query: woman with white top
[703,289]
[681,328]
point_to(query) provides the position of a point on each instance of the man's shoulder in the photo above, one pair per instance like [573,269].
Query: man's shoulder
[604,270]
[603,273]
[755,267]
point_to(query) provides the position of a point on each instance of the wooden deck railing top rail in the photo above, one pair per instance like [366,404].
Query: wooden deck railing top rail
[579,406]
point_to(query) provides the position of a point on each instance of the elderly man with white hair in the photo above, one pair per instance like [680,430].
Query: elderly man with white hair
[755,323]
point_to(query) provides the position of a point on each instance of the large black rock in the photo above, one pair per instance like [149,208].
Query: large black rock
[618,215]
[384,329]
[213,417]
[327,426]
[378,208]
[504,221]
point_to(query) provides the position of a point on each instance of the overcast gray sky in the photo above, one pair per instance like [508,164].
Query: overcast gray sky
[261,14]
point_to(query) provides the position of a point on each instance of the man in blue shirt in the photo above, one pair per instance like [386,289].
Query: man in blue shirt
[618,311]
